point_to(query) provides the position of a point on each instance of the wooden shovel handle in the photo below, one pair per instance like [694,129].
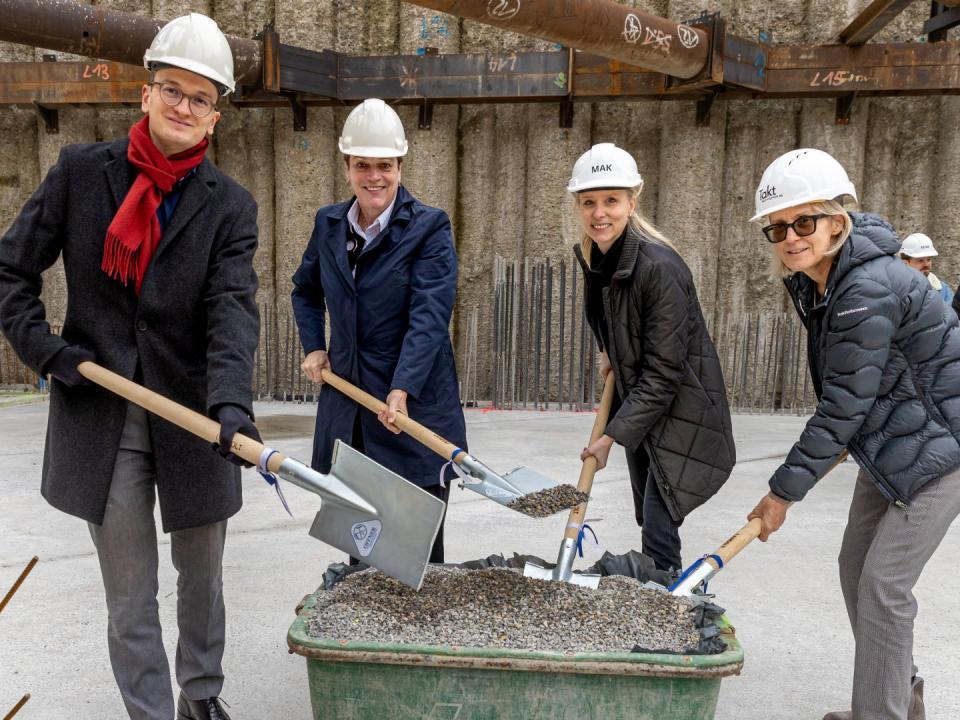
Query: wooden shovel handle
[189,420]
[739,540]
[751,531]
[411,427]
[589,467]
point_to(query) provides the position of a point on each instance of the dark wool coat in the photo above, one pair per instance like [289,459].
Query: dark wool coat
[667,373]
[884,355]
[193,330]
[388,329]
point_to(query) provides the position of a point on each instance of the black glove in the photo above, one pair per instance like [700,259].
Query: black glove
[63,365]
[234,419]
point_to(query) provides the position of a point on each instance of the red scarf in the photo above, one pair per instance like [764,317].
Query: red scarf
[135,231]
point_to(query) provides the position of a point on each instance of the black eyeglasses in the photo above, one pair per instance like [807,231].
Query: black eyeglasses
[173,96]
[802,226]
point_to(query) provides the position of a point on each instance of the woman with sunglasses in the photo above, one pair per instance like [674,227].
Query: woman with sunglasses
[884,355]
[670,411]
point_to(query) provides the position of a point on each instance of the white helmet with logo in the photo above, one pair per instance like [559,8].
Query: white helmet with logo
[918,245]
[373,129]
[800,177]
[194,42]
[604,166]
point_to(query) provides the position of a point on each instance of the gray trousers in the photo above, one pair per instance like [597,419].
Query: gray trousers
[884,551]
[126,545]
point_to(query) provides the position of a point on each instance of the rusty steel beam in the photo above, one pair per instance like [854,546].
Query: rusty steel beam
[98,32]
[600,27]
[875,69]
[58,84]
[937,26]
[749,70]
[872,20]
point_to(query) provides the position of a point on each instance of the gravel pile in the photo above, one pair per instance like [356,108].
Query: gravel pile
[500,608]
[544,503]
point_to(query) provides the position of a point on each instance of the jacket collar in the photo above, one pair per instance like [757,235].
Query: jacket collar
[120,173]
[340,226]
[629,255]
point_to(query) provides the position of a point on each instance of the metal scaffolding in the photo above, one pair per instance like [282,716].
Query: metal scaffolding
[271,73]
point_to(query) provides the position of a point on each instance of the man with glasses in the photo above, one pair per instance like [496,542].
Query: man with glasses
[157,247]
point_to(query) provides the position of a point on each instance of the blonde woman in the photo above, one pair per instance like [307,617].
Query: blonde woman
[670,413]
[884,355]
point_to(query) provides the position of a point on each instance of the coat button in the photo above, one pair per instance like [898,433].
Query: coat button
[142,325]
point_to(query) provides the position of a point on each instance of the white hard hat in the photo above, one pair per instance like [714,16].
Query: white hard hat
[194,42]
[373,129]
[918,245]
[604,166]
[800,177]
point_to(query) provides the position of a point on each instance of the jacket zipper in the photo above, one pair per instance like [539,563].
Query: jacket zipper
[885,488]
[812,353]
[932,412]
[611,354]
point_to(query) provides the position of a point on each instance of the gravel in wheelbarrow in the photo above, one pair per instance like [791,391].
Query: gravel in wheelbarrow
[490,604]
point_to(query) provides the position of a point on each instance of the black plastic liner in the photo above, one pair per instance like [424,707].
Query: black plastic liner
[631,564]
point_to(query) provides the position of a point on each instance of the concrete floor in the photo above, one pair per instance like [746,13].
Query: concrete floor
[782,597]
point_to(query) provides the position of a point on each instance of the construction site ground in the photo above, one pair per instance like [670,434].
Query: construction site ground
[783,597]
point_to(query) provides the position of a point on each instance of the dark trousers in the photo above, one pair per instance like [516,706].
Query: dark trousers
[439,491]
[660,532]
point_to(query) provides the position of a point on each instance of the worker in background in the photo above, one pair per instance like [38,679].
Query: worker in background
[383,265]
[918,252]
[670,411]
[885,364]
[157,247]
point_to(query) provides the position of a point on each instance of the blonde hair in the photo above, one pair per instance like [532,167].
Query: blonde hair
[637,222]
[778,270]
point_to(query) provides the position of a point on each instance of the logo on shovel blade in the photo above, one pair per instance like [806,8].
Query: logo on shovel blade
[365,535]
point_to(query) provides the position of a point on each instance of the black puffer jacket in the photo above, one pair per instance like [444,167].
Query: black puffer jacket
[884,354]
[667,372]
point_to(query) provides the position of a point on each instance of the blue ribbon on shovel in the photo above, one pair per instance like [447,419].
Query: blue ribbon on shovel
[271,478]
[580,538]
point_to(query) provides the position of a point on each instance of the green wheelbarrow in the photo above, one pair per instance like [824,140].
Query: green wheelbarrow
[403,681]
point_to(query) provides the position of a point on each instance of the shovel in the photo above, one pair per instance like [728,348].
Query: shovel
[701,571]
[563,570]
[517,490]
[709,565]
[367,510]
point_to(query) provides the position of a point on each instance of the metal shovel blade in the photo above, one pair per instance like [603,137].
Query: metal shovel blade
[556,575]
[519,483]
[398,536]
[563,570]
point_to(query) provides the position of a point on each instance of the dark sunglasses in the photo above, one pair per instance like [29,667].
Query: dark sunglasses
[802,226]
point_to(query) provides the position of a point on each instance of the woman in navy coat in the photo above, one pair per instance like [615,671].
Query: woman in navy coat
[383,265]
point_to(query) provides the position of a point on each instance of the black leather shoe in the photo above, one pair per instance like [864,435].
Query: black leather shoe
[206,709]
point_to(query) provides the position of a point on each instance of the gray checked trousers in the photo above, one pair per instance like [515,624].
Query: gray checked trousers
[126,544]
[884,551]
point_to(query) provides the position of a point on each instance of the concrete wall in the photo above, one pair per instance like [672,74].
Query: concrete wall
[500,170]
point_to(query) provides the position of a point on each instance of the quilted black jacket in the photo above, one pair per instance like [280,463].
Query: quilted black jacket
[667,372]
[884,354]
